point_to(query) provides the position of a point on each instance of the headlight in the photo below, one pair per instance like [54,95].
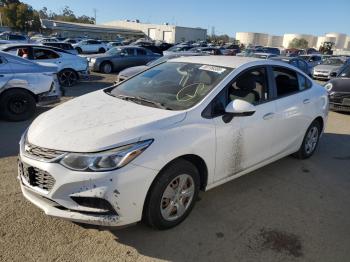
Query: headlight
[328,86]
[106,160]
[93,60]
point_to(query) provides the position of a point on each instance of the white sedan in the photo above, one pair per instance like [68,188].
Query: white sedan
[71,67]
[143,149]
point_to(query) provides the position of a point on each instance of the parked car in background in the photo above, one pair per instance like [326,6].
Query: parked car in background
[271,50]
[230,49]
[339,90]
[47,40]
[71,68]
[263,55]
[24,85]
[294,61]
[207,50]
[145,148]
[113,44]
[62,45]
[163,45]
[329,68]
[119,58]
[177,48]
[129,72]
[71,40]
[14,38]
[150,46]
[312,60]
[90,46]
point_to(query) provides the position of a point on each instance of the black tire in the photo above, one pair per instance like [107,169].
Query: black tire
[101,50]
[106,68]
[68,77]
[79,50]
[303,152]
[17,105]
[152,214]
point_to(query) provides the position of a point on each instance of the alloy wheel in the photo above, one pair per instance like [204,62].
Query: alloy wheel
[311,140]
[177,197]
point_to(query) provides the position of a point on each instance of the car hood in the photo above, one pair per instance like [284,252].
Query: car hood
[133,70]
[96,122]
[329,68]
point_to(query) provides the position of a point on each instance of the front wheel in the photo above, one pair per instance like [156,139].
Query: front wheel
[310,141]
[172,195]
[17,105]
[106,68]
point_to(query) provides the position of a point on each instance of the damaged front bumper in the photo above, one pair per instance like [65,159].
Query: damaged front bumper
[114,198]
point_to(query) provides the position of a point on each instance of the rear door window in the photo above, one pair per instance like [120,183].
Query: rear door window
[41,54]
[286,81]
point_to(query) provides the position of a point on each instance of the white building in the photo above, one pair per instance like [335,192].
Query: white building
[252,38]
[165,32]
[311,39]
[275,41]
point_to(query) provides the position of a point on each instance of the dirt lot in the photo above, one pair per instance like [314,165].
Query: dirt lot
[290,210]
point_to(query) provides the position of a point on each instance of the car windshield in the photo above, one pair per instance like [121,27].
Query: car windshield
[333,61]
[158,61]
[113,51]
[171,85]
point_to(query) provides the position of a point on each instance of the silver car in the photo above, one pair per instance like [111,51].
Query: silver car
[24,85]
[119,58]
[329,68]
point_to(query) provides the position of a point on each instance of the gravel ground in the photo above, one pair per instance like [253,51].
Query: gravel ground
[290,210]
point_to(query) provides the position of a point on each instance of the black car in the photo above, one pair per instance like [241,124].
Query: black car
[62,45]
[339,91]
[295,61]
[150,47]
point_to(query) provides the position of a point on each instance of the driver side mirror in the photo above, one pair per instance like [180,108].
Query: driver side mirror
[239,108]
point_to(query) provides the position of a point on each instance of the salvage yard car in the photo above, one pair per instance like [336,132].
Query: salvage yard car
[329,68]
[90,46]
[119,58]
[23,85]
[71,67]
[339,91]
[143,149]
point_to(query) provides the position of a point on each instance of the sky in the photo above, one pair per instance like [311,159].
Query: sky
[228,17]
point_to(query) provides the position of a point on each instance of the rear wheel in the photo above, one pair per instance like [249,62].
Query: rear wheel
[68,77]
[17,105]
[310,141]
[106,68]
[172,195]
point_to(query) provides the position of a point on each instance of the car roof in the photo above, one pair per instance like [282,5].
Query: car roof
[225,61]
[263,53]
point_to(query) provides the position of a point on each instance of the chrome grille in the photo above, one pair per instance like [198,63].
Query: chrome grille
[41,153]
[36,177]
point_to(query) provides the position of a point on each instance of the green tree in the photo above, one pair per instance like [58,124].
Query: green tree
[298,43]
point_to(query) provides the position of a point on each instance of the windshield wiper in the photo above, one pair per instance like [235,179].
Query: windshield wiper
[141,100]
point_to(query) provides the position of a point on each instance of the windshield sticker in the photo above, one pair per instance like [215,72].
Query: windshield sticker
[215,69]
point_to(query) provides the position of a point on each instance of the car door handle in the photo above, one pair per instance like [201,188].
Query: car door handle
[306,101]
[268,116]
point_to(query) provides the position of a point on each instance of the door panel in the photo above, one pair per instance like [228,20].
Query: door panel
[245,141]
[6,72]
[291,109]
